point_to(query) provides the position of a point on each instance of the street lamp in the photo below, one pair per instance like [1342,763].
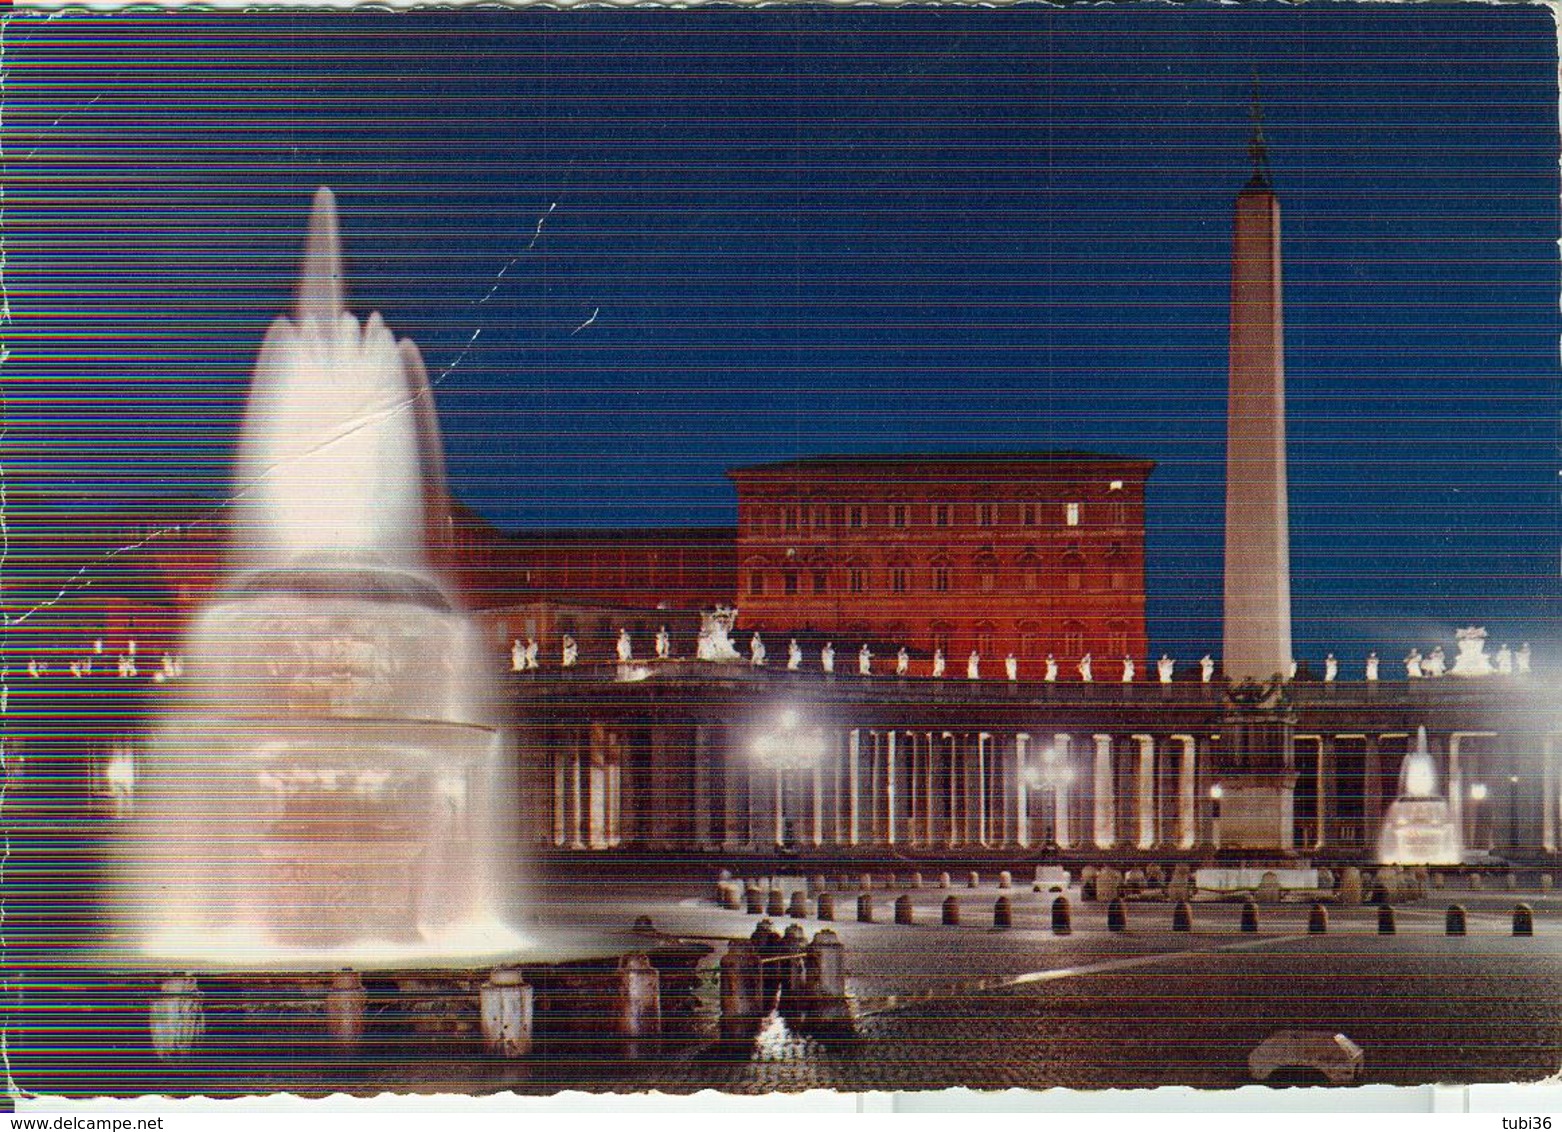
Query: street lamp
[1216,793]
[1478,794]
[789,747]
[1053,774]
[1513,811]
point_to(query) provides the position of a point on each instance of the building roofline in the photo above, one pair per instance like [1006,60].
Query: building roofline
[914,459]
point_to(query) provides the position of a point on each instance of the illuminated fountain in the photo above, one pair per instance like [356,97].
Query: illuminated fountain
[1419,827]
[331,784]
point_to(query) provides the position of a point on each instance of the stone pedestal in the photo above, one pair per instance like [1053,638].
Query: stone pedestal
[1255,772]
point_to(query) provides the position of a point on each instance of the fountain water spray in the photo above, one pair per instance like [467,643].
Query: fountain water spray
[1419,827]
[332,783]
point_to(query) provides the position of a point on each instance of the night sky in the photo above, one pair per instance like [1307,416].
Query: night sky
[640,247]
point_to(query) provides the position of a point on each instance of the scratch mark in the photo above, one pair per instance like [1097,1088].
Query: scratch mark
[587,323]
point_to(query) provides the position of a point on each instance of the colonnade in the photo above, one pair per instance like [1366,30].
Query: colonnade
[921,789]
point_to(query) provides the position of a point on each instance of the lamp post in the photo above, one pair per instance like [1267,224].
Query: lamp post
[1052,776]
[1478,794]
[1513,811]
[786,750]
[1216,793]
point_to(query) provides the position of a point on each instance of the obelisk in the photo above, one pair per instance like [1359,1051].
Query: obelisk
[1258,560]
[1255,763]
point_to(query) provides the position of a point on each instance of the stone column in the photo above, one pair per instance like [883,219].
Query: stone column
[892,786]
[854,787]
[561,763]
[1105,794]
[1187,794]
[984,755]
[1144,793]
[1548,794]
[1326,801]
[1020,828]
[1453,785]
[702,784]
[946,769]
[816,800]
[1065,792]
[734,809]
[1372,793]
[577,789]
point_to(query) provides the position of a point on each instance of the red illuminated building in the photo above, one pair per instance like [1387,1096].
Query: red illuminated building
[1025,553]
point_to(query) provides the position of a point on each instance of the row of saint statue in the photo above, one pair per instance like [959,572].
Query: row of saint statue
[524,658]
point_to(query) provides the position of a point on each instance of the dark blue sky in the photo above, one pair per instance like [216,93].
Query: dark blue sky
[808,232]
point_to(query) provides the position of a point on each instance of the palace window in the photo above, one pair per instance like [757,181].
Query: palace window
[941,636]
[986,573]
[854,579]
[941,515]
[1074,570]
[756,581]
[790,522]
[789,582]
[897,579]
[984,514]
[856,518]
[1030,572]
[899,515]
[986,638]
[821,582]
[1030,514]
[1117,639]
[941,577]
[1071,514]
[1073,639]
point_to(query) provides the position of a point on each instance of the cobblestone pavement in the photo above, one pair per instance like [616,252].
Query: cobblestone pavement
[938,1006]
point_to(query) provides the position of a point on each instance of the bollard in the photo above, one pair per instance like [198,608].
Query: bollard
[732,896]
[1325,880]
[1005,879]
[1385,919]
[177,1018]
[1269,889]
[843,883]
[1350,885]
[944,881]
[1477,882]
[798,907]
[775,905]
[346,1003]
[1003,914]
[1117,915]
[1318,919]
[1249,925]
[825,977]
[1454,922]
[826,906]
[952,911]
[1182,917]
[865,909]
[916,880]
[1511,881]
[1155,876]
[817,884]
[891,881]
[904,913]
[1109,883]
[1523,920]
[866,883]
[974,880]
[505,1005]
[1087,891]
[1062,917]
[742,987]
[754,901]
